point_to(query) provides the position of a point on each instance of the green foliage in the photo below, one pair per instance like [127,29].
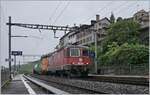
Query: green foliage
[27,68]
[122,48]
[122,32]
[126,54]
[119,19]
[99,50]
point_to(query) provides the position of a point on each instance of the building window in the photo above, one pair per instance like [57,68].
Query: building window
[90,38]
[84,40]
[87,39]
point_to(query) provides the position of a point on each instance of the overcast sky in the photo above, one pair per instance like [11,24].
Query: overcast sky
[54,13]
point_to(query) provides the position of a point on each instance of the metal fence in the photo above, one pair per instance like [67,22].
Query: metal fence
[4,75]
[124,70]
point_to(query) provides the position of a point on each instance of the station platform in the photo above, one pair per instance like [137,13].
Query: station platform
[16,86]
[144,80]
[120,76]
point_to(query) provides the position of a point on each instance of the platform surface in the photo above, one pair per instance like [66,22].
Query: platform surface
[16,86]
[123,76]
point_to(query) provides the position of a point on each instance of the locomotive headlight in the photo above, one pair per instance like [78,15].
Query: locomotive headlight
[80,59]
[87,63]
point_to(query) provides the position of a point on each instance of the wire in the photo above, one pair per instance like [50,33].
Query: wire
[98,11]
[36,37]
[54,12]
[61,12]
[116,8]
[126,7]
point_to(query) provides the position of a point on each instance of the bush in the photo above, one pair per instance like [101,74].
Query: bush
[126,54]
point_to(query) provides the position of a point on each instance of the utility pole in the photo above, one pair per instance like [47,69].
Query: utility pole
[14,64]
[32,26]
[96,31]
[19,67]
[9,52]
[96,51]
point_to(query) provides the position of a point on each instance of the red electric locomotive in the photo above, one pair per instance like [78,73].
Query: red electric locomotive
[70,60]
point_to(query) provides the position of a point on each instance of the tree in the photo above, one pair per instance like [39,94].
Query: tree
[122,32]
[112,18]
[119,19]
[99,50]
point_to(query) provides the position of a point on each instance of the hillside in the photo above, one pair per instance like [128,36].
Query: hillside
[27,68]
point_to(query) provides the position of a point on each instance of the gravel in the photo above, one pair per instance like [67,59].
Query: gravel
[104,87]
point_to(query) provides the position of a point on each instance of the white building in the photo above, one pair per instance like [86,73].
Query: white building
[86,36]
[69,38]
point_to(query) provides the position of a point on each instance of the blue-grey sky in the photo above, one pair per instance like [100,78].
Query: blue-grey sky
[46,12]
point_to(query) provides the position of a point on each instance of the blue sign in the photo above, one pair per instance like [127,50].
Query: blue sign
[91,54]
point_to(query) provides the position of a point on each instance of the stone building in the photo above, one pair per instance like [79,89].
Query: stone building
[144,34]
[141,17]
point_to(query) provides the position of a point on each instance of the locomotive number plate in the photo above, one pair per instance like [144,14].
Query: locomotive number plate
[80,63]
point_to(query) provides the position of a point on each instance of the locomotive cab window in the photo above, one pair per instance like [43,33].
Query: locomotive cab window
[74,52]
[85,52]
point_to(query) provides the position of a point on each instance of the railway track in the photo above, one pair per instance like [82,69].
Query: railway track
[33,88]
[66,87]
[94,86]
[38,87]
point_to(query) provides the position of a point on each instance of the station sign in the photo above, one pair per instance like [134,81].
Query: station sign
[16,53]
[91,54]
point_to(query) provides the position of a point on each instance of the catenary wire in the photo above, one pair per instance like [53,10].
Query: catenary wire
[61,12]
[98,11]
[55,10]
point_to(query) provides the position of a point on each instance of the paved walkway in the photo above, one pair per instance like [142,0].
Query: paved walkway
[16,86]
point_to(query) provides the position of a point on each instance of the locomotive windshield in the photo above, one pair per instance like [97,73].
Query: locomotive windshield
[85,52]
[74,52]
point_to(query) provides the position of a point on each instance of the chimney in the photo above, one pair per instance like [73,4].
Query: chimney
[97,18]
[93,22]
